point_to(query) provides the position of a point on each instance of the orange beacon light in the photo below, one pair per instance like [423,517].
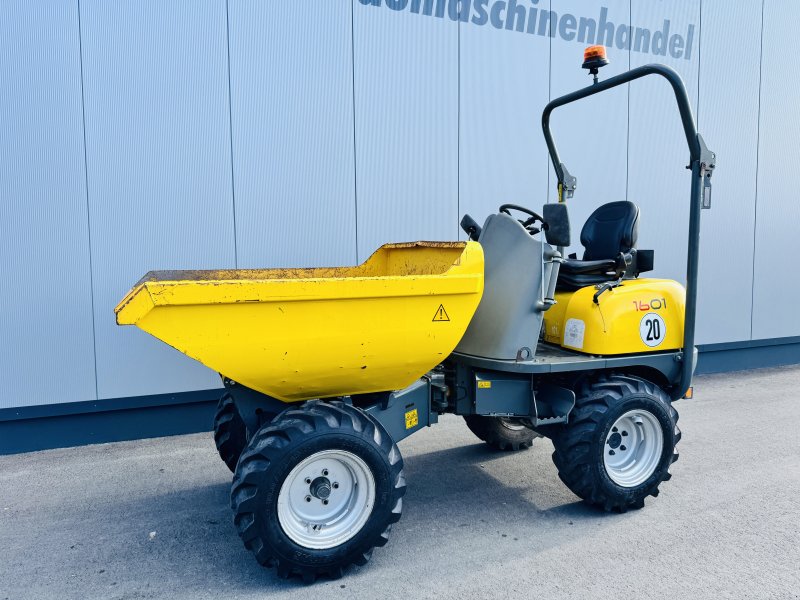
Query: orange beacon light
[594,57]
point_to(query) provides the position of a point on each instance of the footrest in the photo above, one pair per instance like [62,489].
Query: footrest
[552,404]
[550,420]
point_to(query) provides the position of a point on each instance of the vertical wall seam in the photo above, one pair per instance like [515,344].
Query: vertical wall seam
[230,133]
[353,85]
[758,157]
[88,213]
[458,132]
[699,62]
[549,97]
[628,100]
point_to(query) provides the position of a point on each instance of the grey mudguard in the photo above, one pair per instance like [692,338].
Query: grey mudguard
[507,323]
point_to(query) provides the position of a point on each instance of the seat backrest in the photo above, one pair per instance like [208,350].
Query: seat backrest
[609,230]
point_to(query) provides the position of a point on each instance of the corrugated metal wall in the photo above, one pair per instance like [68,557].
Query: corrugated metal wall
[203,134]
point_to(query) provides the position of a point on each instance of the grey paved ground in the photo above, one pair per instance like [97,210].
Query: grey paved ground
[76,523]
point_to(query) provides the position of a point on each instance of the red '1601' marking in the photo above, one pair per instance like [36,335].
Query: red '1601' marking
[654,304]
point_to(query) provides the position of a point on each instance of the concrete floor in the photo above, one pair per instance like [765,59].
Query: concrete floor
[151,519]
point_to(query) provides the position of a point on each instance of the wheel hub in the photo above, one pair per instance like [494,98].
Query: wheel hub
[633,447]
[320,488]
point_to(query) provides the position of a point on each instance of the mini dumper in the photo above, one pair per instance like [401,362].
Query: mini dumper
[326,369]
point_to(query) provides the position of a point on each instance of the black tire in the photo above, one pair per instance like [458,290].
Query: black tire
[270,457]
[230,433]
[500,433]
[580,445]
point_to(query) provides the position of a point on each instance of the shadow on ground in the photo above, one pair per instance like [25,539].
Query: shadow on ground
[452,493]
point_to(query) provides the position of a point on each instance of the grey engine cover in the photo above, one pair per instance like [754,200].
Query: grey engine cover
[507,318]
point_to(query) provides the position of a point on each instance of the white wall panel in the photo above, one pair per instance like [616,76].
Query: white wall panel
[292,115]
[657,151]
[728,121]
[46,352]
[406,126]
[159,170]
[776,285]
[591,134]
[504,87]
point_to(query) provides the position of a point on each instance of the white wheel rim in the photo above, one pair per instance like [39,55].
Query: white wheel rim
[632,448]
[509,424]
[326,499]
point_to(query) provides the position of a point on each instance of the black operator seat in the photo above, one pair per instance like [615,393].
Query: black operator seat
[609,239]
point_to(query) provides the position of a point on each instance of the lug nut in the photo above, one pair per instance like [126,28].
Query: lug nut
[308,498]
[611,452]
[325,502]
[614,429]
[623,448]
[335,485]
[624,433]
[308,480]
[325,472]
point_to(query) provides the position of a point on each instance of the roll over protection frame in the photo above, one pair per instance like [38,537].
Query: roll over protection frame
[702,163]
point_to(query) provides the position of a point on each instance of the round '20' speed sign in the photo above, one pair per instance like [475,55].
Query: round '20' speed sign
[652,329]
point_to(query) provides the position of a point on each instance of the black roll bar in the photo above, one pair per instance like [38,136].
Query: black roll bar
[702,163]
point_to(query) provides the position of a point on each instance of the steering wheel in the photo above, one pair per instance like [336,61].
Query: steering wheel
[527,223]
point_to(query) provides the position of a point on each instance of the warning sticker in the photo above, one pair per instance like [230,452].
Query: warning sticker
[412,419]
[485,385]
[441,314]
[573,333]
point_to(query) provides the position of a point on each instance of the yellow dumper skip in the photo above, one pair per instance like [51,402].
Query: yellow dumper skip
[296,334]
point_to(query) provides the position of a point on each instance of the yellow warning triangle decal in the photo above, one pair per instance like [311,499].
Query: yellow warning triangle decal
[441,314]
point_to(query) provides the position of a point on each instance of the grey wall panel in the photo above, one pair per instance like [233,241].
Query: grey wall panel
[47,352]
[657,151]
[592,134]
[406,101]
[292,115]
[159,169]
[329,157]
[775,284]
[504,87]
[728,121]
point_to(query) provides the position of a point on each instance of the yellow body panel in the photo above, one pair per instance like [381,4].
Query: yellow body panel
[641,315]
[296,334]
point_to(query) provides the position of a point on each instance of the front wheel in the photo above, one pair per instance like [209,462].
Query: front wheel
[619,443]
[317,489]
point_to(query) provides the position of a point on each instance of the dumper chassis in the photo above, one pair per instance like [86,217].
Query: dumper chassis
[319,482]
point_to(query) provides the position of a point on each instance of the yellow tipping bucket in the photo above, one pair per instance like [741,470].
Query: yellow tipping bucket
[296,334]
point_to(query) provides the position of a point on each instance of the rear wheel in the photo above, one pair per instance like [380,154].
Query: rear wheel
[501,433]
[619,443]
[317,489]
[230,433]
